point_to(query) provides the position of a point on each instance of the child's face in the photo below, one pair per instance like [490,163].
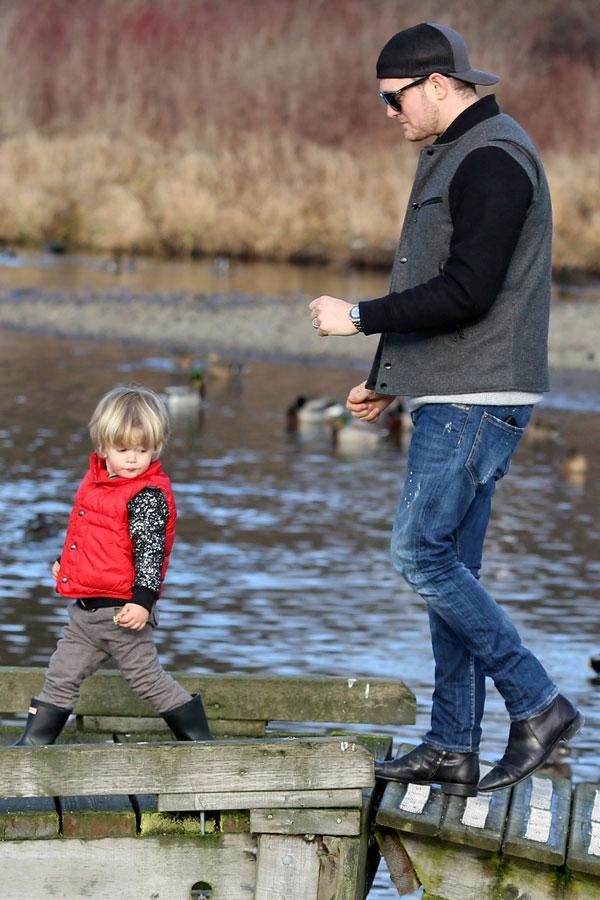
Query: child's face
[128,462]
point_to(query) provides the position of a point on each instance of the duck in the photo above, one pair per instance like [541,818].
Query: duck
[186,397]
[574,467]
[353,435]
[310,411]
[540,432]
[221,369]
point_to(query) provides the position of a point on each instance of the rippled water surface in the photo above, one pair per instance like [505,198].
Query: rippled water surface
[281,558]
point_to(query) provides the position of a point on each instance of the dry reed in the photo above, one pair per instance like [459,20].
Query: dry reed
[196,126]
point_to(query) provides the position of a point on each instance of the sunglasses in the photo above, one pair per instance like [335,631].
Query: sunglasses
[393,99]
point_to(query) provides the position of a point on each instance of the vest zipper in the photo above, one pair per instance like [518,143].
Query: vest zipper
[418,206]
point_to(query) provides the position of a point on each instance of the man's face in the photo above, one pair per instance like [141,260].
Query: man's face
[419,116]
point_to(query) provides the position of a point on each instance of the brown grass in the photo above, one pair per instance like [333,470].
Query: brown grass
[253,128]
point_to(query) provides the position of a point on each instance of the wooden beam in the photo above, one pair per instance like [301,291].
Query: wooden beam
[376,701]
[538,820]
[286,765]
[287,867]
[344,822]
[122,868]
[28,817]
[324,799]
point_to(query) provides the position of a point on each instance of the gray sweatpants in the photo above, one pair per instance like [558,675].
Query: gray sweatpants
[90,638]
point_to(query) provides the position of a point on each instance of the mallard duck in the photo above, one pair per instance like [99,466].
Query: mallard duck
[313,411]
[188,397]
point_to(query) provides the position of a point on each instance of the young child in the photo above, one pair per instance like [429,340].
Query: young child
[112,566]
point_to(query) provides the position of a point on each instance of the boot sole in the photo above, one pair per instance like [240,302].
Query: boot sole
[570,731]
[448,787]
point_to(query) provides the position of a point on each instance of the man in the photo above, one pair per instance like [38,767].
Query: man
[464,334]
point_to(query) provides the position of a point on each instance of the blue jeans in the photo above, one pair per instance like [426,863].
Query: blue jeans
[457,454]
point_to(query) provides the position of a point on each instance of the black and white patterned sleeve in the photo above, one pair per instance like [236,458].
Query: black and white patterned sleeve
[148,515]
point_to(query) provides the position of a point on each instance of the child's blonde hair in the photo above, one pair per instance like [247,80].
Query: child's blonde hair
[128,415]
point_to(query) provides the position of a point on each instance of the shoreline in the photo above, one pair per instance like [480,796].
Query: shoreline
[245,325]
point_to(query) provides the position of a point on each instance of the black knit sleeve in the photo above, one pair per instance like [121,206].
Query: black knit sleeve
[489,198]
[148,515]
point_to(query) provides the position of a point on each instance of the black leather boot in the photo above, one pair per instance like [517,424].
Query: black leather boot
[188,721]
[44,724]
[530,743]
[456,773]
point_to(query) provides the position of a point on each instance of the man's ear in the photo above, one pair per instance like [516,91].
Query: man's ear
[440,85]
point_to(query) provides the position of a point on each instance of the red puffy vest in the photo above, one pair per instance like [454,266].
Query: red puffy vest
[97,557]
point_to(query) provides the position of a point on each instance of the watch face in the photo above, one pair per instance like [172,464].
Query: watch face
[355,312]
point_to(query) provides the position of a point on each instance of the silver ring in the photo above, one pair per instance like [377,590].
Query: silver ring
[315,323]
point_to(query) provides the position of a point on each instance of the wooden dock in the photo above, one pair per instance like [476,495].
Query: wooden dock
[269,810]
[538,841]
[272,809]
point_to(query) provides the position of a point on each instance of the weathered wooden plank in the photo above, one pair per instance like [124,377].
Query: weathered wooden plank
[324,799]
[538,820]
[454,871]
[411,807]
[255,697]
[339,868]
[154,725]
[97,817]
[478,821]
[344,822]
[215,766]
[28,817]
[399,866]
[123,868]
[287,867]
[584,838]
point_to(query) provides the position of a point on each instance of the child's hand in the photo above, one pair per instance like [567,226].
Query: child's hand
[55,569]
[132,616]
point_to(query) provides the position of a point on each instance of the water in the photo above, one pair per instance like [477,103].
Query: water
[281,558]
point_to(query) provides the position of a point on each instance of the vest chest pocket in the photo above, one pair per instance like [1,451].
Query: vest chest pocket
[416,207]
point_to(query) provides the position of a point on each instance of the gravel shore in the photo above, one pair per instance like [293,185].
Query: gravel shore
[246,326]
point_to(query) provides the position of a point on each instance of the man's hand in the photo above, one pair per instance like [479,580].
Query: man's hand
[366,404]
[132,616]
[330,316]
[55,569]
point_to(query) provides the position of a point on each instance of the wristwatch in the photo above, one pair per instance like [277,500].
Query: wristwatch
[354,314]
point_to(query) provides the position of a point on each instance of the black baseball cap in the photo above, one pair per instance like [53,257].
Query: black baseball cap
[428,48]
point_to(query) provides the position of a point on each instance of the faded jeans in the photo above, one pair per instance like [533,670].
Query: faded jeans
[457,454]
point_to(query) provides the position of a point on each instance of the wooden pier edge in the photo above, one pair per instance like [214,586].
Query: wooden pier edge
[127,812]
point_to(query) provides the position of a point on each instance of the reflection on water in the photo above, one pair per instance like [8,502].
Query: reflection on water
[281,558]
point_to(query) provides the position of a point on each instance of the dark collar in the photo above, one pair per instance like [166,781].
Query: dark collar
[472,115]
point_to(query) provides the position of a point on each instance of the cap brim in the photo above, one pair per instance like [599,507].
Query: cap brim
[475,76]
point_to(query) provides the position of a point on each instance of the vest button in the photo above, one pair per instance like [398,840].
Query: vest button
[64,579]
[430,152]
[73,547]
[403,259]
[415,205]
[383,384]
[387,365]
[82,512]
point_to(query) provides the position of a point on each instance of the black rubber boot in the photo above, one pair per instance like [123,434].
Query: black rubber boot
[456,773]
[188,721]
[44,724]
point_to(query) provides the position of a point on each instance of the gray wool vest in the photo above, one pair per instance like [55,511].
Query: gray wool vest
[507,349]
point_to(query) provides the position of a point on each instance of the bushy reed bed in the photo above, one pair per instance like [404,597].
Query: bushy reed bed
[253,128]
